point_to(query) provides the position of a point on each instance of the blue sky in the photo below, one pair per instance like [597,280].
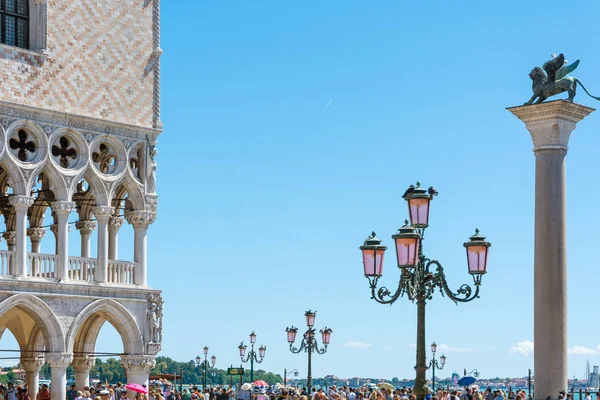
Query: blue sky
[291,129]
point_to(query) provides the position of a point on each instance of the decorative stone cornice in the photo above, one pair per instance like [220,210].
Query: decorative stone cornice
[85,227]
[58,360]
[21,203]
[140,218]
[32,365]
[83,364]
[10,237]
[63,207]
[36,234]
[114,224]
[138,365]
[103,213]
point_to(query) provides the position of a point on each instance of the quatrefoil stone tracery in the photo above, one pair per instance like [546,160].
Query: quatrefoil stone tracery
[22,147]
[104,159]
[64,152]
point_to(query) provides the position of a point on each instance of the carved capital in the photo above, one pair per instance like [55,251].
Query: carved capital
[58,360]
[83,364]
[21,203]
[36,234]
[103,213]
[138,365]
[63,207]
[54,229]
[140,218]
[85,227]
[151,202]
[114,224]
[10,237]
[32,365]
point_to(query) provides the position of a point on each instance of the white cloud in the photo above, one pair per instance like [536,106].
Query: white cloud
[449,349]
[412,346]
[357,345]
[525,348]
[586,351]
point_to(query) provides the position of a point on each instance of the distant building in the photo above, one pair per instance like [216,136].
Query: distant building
[594,378]
[354,382]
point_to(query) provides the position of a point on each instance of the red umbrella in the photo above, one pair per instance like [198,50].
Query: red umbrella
[134,387]
[261,383]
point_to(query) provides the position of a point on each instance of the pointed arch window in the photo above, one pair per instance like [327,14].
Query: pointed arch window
[14,22]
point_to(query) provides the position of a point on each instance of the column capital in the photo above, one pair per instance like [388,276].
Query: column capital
[85,227]
[10,237]
[59,360]
[114,224]
[140,218]
[21,203]
[550,124]
[36,234]
[32,365]
[63,207]
[138,364]
[54,229]
[83,364]
[103,213]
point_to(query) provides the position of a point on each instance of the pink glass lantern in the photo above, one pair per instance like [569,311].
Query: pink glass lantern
[253,337]
[242,349]
[310,318]
[291,334]
[477,253]
[443,360]
[261,351]
[433,348]
[418,207]
[198,360]
[205,350]
[326,335]
[407,246]
[213,360]
[373,253]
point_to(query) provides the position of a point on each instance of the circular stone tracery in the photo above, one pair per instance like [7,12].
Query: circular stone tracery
[65,152]
[104,159]
[23,145]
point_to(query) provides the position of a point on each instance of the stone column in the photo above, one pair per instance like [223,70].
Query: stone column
[114,224]
[137,368]
[82,367]
[21,205]
[140,221]
[85,228]
[32,376]
[11,242]
[62,209]
[102,214]
[58,374]
[550,125]
[35,236]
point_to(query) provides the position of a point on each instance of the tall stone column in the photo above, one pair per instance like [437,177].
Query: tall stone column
[11,242]
[58,374]
[137,368]
[85,229]
[140,221]
[35,236]
[114,224]
[32,376]
[102,214]
[550,125]
[82,367]
[21,204]
[62,209]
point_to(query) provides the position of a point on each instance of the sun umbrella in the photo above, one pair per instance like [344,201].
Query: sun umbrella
[466,381]
[134,387]
[261,383]
[385,385]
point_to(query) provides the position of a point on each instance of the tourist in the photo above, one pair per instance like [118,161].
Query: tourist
[43,394]
[587,394]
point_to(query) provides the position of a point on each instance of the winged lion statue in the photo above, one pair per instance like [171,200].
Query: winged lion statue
[552,79]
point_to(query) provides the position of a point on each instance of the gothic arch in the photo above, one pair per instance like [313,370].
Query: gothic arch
[86,326]
[42,314]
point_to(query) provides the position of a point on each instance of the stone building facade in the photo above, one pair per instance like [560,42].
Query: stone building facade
[79,119]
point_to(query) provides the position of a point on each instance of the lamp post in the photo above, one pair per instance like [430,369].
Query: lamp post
[309,342]
[475,373]
[433,364]
[252,356]
[205,364]
[285,371]
[419,275]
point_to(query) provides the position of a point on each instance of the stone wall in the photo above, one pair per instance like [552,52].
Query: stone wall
[98,52]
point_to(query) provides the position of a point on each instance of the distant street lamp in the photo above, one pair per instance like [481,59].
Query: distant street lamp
[475,373]
[419,275]
[252,357]
[285,372]
[204,364]
[309,342]
[433,364]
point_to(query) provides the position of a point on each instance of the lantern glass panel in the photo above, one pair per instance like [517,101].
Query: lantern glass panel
[205,350]
[261,352]
[253,338]
[477,259]
[433,347]
[373,262]
[213,360]
[310,319]
[418,209]
[242,351]
[291,336]
[407,250]
[198,359]
[326,337]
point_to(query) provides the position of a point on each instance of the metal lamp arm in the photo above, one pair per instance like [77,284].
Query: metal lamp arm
[300,348]
[464,294]
[315,347]
[383,294]
[247,356]
[256,359]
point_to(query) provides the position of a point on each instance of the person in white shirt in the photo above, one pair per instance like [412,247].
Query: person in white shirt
[11,393]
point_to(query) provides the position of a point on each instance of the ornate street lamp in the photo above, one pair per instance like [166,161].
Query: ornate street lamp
[475,373]
[433,364]
[205,365]
[309,342]
[420,276]
[252,356]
